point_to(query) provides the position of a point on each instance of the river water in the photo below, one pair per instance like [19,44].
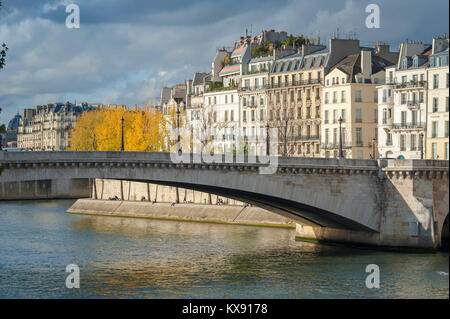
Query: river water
[138,258]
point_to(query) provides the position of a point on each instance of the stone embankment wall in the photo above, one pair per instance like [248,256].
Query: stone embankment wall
[183,212]
[138,191]
[45,189]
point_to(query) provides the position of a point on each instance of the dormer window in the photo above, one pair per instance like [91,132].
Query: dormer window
[405,63]
[416,61]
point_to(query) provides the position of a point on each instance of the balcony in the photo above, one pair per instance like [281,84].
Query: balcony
[411,85]
[305,138]
[408,126]
[413,105]
[294,83]
[252,88]
[333,146]
[256,71]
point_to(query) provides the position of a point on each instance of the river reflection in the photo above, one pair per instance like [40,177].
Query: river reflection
[139,258]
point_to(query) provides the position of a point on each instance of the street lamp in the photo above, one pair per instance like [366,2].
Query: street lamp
[374,149]
[267,139]
[421,145]
[122,146]
[178,128]
[340,138]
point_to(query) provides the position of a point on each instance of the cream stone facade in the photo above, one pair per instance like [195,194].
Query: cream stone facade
[350,95]
[437,141]
[402,104]
[47,128]
[253,104]
[222,114]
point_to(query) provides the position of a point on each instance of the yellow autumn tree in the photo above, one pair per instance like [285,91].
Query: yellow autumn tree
[144,130]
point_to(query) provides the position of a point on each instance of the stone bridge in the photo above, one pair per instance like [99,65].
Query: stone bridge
[384,202]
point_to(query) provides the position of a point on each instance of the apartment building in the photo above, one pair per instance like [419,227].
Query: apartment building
[196,114]
[47,127]
[295,95]
[437,140]
[402,110]
[222,115]
[253,103]
[350,108]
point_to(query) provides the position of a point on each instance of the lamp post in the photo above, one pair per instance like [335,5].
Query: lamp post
[421,145]
[340,138]
[267,139]
[178,128]
[374,148]
[122,146]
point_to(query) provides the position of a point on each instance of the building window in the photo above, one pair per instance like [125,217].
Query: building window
[436,81]
[446,129]
[434,129]
[359,140]
[358,96]
[403,118]
[402,142]
[388,139]
[326,97]
[434,150]
[358,116]
[335,115]
[413,142]
[326,117]
[403,98]
[343,115]
[446,150]
[375,117]
[308,112]
[414,117]
[343,97]
[435,104]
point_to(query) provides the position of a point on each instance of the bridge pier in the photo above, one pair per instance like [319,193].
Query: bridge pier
[414,211]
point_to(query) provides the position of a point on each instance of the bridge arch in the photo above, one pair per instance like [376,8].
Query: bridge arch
[318,192]
[444,234]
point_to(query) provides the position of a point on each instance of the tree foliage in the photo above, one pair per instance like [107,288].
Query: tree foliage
[145,129]
[264,49]
[3,50]
[296,40]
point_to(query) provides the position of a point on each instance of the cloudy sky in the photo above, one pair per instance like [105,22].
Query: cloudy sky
[125,51]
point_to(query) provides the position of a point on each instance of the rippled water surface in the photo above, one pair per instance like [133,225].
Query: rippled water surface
[138,258]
